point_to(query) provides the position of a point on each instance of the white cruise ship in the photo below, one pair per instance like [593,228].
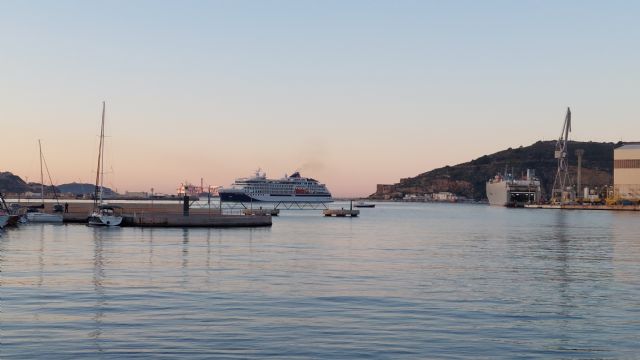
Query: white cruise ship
[507,191]
[294,188]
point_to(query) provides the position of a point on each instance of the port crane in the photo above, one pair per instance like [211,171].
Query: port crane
[562,188]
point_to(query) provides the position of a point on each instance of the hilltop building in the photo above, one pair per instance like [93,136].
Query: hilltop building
[626,171]
[385,191]
[384,188]
[444,196]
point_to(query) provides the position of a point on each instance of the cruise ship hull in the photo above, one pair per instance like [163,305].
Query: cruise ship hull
[229,196]
[289,189]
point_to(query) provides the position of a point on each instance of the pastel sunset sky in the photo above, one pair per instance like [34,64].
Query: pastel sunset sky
[353,93]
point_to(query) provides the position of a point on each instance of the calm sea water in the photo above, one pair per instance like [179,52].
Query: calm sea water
[401,281]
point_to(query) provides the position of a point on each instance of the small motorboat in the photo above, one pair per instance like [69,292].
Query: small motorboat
[362,204]
[105,215]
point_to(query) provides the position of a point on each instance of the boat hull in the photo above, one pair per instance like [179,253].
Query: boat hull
[37,217]
[14,220]
[497,194]
[104,220]
[4,219]
[512,194]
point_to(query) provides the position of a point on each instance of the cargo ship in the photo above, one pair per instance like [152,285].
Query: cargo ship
[293,188]
[505,190]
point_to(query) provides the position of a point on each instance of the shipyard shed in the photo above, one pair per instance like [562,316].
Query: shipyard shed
[626,171]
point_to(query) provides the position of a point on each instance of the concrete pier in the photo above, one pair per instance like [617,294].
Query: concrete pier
[179,220]
[586,207]
[163,215]
[261,212]
[341,212]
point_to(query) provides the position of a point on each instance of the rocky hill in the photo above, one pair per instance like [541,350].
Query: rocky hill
[11,183]
[469,179]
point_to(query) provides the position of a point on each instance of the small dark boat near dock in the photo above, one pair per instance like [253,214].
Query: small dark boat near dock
[362,204]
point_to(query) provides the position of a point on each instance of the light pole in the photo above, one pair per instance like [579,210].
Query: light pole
[579,153]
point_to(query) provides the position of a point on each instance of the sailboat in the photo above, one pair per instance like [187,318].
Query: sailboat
[4,219]
[41,216]
[4,213]
[8,216]
[103,214]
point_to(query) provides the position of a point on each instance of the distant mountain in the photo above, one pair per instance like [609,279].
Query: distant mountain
[469,179]
[10,183]
[81,189]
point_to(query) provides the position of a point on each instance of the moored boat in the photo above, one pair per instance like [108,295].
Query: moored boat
[362,204]
[41,217]
[102,214]
[4,219]
[5,214]
[106,215]
[38,215]
[505,190]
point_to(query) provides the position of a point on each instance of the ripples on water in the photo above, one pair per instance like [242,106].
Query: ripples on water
[401,281]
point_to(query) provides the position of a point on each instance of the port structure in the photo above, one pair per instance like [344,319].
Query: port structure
[562,188]
[258,205]
[288,205]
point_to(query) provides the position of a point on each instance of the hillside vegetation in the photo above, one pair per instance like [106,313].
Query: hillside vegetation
[469,179]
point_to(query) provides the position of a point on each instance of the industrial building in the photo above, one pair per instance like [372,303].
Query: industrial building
[626,171]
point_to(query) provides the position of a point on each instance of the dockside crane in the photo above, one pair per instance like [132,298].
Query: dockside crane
[562,188]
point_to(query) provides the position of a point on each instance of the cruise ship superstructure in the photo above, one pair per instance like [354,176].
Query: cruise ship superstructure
[505,190]
[289,189]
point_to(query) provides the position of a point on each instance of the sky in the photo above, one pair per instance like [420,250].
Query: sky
[352,93]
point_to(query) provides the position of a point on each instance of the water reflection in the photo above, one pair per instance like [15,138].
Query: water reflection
[560,256]
[41,257]
[98,287]
[3,245]
[151,245]
[418,282]
[208,260]
[185,256]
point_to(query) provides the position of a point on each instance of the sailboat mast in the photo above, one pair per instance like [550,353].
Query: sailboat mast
[102,158]
[98,188]
[41,174]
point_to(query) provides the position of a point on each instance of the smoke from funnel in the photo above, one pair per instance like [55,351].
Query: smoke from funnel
[311,166]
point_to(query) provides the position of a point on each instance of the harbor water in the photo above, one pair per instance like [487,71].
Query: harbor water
[403,280]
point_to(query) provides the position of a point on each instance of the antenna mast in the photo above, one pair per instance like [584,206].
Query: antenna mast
[562,183]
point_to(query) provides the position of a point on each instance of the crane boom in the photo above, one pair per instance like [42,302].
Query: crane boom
[562,182]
